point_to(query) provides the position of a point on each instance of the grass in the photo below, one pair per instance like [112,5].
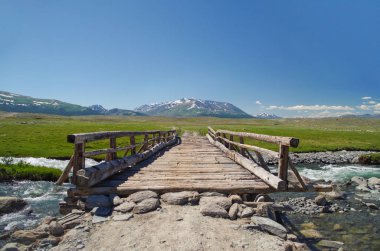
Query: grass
[371,159]
[45,135]
[23,171]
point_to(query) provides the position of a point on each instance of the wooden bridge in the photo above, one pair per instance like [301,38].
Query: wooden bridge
[161,161]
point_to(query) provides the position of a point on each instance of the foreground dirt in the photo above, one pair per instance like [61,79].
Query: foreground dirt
[171,228]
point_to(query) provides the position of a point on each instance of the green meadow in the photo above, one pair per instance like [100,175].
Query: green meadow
[45,136]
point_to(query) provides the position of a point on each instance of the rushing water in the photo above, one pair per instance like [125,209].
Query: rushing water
[359,229]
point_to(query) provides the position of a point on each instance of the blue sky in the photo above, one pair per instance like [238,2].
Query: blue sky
[291,58]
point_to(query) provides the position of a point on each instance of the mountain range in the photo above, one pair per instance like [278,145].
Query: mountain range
[185,107]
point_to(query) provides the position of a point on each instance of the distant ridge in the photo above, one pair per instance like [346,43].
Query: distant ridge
[375,116]
[191,107]
[266,116]
[11,102]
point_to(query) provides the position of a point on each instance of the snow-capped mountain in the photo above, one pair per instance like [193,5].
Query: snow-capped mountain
[11,102]
[264,115]
[191,107]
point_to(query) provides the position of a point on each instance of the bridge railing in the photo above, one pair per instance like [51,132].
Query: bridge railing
[132,152]
[233,143]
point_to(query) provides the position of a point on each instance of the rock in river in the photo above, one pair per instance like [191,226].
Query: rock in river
[11,205]
[270,226]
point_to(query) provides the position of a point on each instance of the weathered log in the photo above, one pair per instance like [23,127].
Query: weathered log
[88,137]
[296,173]
[287,141]
[253,148]
[267,177]
[78,160]
[90,176]
[283,163]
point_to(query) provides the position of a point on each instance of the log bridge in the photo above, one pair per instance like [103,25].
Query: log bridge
[161,161]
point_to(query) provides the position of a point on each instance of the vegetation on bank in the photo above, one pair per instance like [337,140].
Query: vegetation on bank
[23,171]
[370,159]
[37,135]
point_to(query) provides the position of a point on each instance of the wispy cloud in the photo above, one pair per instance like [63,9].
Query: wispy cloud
[364,107]
[311,108]
[372,102]
[366,98]
[258,102]
[376,107]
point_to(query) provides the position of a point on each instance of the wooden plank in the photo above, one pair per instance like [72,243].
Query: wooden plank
[78,161]
[296,173]
[260,172]
[254,148]
[287,141]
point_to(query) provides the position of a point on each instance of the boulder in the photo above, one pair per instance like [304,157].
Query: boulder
[236,198]
[125,207]
[142,195]
[101,211]
[372,206]
[146,206]
[98,201]
[224,202]
[213,210]
[373,181]
[363,188]
[11,205]
[247,212]
[311,233]
[359,180]
[181,198]
[115,199]
[54,241]
[56,229]
[269,226]
[320,200]
[99,219]
[234,209]
[330,244]
[10,247]
[122,217]
[27,237]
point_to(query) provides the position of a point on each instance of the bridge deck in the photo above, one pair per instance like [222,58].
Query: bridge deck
[195,164]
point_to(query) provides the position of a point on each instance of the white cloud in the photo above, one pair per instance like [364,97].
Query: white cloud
[364,107]
[366,98]
[311,108]
[372,102]
[258,102]
[376,107]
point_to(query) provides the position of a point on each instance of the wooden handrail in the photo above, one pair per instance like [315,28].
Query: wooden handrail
[93,136]
[152,140]
[287,141]
[224,140]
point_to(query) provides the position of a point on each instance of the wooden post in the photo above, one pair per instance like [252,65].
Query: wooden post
[224,137]
[79,161]
[232,139]
[283,163]
[132,142]
[112,156]
[242,150]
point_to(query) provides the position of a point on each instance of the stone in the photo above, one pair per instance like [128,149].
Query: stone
[372,206]
[213,210]
[27,237]
[122,217]
[142,195]
[54,241]
[234,209]
[311,233]
[181,198]
[98,201]
[56,229]
[269,226]
[146,206]
[337,227]
[48,219]
[11,204]
[211,194]
[224,202]
[291,237]
[102,211]
[373,181]
[320,200]
[71,224]
[99,219]
[363,188]
[125,207]
[247,212]
[359,180]
[115,199]
[10,247]
[250,227]
[297,246]
[236,198]
[330,244]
